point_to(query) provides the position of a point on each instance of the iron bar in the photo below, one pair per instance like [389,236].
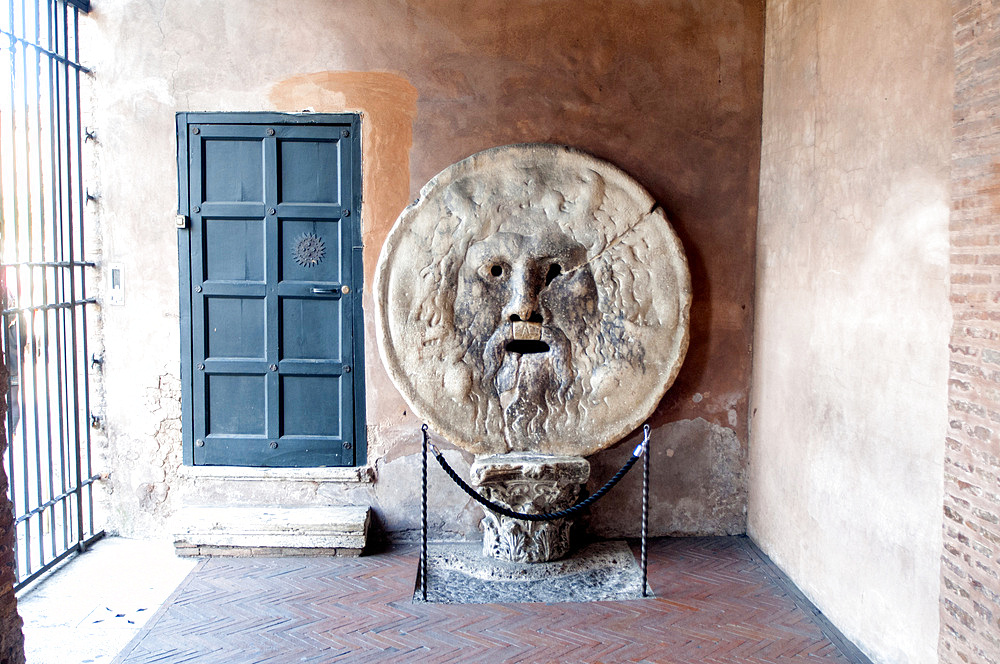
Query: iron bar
[72,277]
[18,291]
[44,51]
[55,158]
[40,138]
[83,283]
[423,520]
[645,505]
[55,500]
[30,208]
[49,307]
[63,264]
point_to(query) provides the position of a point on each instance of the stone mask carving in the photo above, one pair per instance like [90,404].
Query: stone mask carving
[533,299]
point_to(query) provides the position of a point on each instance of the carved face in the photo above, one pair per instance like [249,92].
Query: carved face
[525,307]
[533,299]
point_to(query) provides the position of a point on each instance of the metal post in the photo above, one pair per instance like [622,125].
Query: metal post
[645,502]
[423,520]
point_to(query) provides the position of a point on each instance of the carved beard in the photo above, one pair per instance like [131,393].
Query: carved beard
[532,389]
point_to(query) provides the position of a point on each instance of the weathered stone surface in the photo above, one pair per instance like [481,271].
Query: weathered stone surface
[530,484]
[534,299]
[214,529]
[600,572]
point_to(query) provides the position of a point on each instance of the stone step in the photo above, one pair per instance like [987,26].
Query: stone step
[271,531]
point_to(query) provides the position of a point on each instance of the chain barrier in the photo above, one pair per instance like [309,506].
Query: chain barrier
[549,516]
[641,450]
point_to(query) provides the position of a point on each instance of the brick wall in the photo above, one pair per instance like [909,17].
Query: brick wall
[11,638]
[970,590]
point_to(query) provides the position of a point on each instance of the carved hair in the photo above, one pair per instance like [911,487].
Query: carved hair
[478,207]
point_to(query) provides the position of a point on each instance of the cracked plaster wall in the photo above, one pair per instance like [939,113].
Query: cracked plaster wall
[669,90]
[849,397]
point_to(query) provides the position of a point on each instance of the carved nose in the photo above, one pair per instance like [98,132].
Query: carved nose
[523,303]
[533,317]
[523,308]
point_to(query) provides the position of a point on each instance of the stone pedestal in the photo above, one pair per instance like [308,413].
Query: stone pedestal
[531,484]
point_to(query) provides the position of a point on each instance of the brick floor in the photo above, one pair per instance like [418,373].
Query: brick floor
[718,600]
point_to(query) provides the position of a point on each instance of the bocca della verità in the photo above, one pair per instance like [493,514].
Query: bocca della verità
[533,299]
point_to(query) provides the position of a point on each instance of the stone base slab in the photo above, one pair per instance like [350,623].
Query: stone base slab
[188,551]
[459,574]
[271,531]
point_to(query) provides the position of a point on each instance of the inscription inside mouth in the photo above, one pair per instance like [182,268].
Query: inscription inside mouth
[526,346]
[527,331]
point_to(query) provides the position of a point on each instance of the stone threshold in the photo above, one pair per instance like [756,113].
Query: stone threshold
[354,475]
[271,531]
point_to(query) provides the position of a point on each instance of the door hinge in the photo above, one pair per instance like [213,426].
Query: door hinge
[181,220]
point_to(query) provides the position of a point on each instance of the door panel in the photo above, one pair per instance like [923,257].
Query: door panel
[234,249]
[235,327]
[307,167]
[241,178]
[236,404]
[272,290]
[311,250]
[308,330]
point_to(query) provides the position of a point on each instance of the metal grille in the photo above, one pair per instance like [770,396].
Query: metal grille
[43,282]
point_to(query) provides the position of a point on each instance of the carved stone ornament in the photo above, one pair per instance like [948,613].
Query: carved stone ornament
[530,484]
[534,298]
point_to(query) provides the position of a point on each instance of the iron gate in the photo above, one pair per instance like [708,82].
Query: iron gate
[43,282]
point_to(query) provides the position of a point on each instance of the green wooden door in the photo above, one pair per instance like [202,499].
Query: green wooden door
[272,318]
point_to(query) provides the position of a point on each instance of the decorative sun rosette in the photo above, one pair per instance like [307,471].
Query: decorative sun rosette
[309,250]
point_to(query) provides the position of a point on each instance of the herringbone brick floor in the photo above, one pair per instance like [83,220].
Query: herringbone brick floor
[718,600]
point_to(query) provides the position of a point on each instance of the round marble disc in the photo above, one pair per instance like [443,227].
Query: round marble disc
[534,298]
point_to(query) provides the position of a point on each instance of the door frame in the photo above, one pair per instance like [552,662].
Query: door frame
[351,122]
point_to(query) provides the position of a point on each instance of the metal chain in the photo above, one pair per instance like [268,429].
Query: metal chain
[550,516]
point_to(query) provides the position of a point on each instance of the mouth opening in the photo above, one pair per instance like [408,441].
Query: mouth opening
[526,346]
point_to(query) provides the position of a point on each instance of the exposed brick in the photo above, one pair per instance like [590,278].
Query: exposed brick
[982,611]
[956,611]
[986,516]
[953,515]
[956,588]
[989,535]
[960,385]
[985,592]
[968,487]
[970,597]
[973,278]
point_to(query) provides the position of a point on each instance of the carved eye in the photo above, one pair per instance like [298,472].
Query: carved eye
[554,271]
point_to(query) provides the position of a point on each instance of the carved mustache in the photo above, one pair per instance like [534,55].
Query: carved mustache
[507,336]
